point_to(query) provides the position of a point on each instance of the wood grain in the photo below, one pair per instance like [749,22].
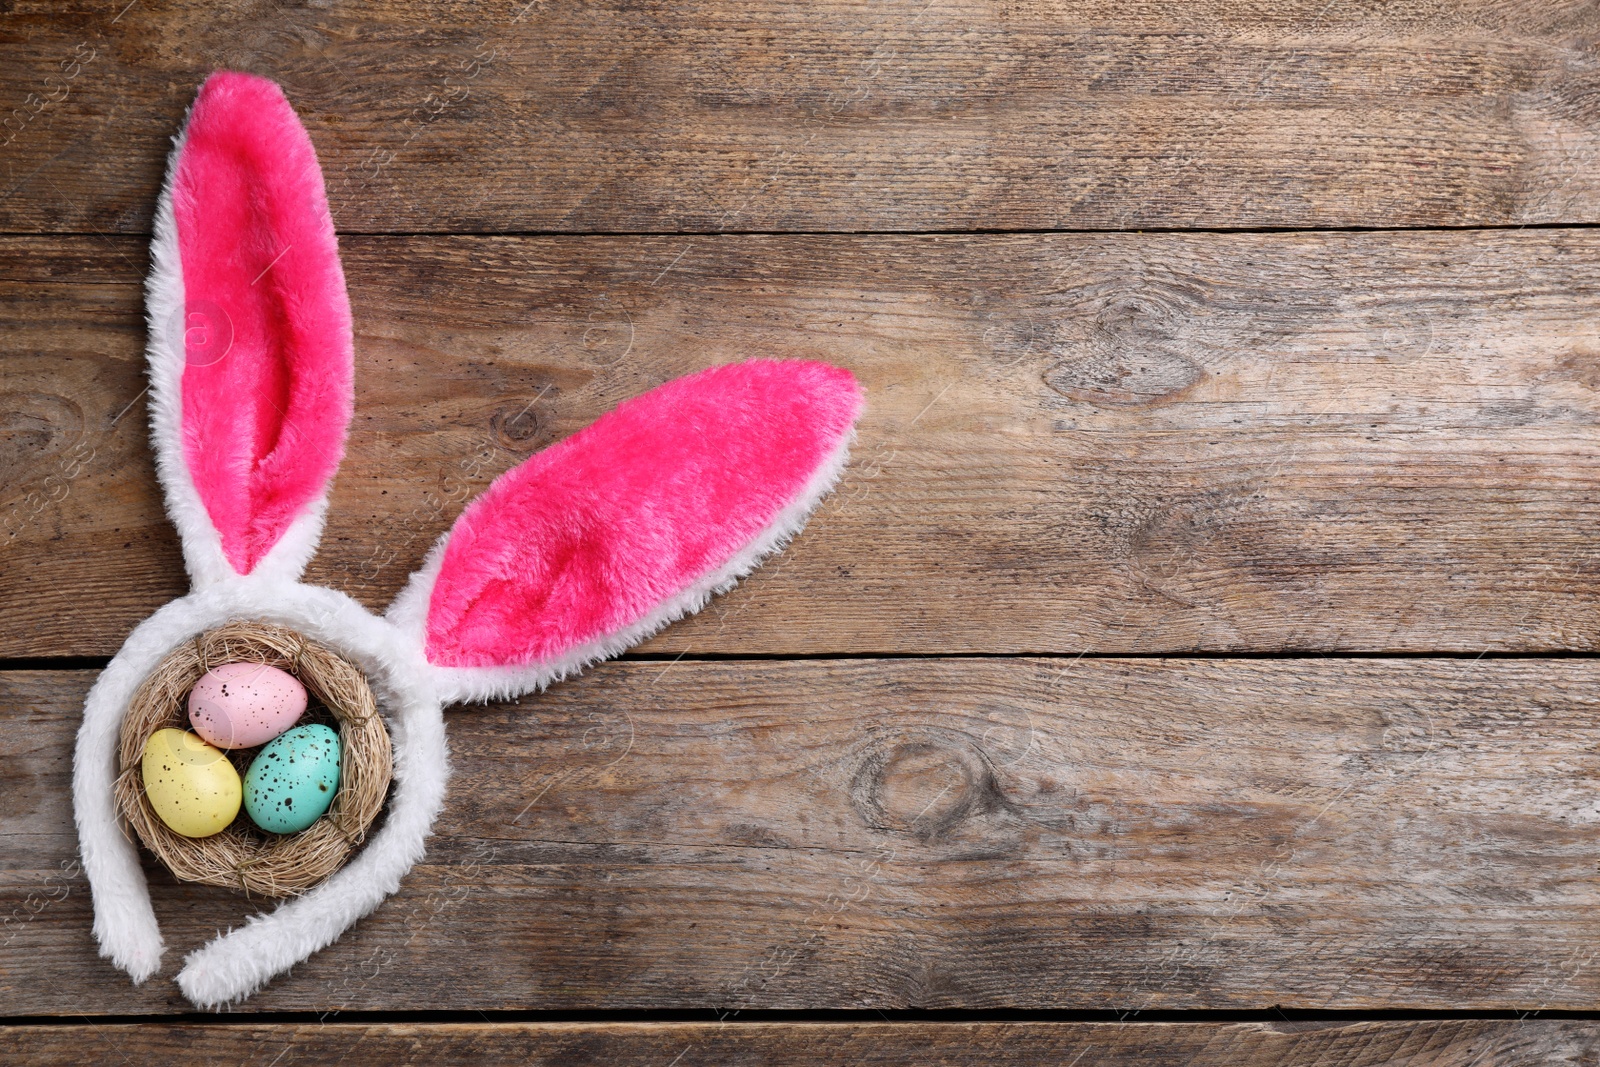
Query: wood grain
[714,115]
[1105,443]
[935,833]
[1441,1043]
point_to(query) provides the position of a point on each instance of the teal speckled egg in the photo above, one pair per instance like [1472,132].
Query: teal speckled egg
[292,780]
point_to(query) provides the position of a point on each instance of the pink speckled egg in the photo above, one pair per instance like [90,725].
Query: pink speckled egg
[241,705]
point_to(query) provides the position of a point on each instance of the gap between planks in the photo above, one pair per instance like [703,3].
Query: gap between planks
[1369,1043]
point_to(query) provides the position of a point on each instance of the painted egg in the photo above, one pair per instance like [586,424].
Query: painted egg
[191,785]
[291,782]
[241,705]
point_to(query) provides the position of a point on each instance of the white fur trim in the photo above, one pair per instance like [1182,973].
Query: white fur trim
[124,923]
[238,963]
[166,325]
[286,560]
[409,612]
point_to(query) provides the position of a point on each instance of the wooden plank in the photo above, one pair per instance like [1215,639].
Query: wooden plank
[1433,1043]
[1261,442]
[933,833]
[715,115]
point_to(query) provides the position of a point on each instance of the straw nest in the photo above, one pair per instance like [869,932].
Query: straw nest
[243,856]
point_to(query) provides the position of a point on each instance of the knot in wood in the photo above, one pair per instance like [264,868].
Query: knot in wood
[924,787]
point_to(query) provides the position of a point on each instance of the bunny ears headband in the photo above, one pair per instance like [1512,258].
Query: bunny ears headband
[585,549]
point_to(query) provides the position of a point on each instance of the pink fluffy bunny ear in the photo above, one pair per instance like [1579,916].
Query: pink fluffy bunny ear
[597,542]
[250,357]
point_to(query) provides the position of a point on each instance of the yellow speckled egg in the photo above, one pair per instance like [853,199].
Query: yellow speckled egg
[191,785]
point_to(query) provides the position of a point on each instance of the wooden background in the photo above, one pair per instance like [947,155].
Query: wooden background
[1196,665]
